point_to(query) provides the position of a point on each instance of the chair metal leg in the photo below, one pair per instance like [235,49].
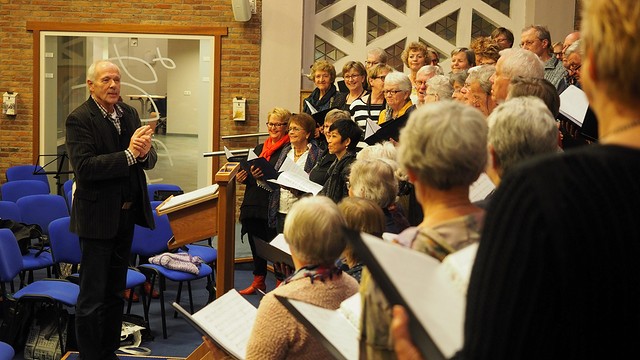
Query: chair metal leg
[162,312]
[190,296]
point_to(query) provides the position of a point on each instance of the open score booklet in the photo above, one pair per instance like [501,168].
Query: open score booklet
[227,321]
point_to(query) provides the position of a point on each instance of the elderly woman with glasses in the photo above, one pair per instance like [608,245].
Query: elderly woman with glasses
[302,152]
[397,92]
[325,95]
[255,204]
[370,105]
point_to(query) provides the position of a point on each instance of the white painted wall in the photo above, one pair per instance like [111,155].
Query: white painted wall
[182,110]
[281,56]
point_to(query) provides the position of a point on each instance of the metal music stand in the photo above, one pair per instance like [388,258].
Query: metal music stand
[56,171]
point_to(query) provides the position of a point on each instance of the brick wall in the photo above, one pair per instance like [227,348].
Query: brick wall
[240,57]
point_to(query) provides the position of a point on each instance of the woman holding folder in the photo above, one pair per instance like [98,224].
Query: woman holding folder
[255,205]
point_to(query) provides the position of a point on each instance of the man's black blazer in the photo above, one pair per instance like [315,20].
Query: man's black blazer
[100,167]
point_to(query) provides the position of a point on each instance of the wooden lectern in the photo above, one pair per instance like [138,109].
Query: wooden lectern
[205,215]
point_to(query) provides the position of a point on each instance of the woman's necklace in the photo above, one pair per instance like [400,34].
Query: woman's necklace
[622,128]
[355,98]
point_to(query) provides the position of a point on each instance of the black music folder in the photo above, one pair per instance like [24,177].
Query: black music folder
[422,285]
[388,129]
[276,251]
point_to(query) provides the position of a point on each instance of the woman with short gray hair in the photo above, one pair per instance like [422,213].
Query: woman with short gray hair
[375,179]
[315,232]
[397,92]
[438,88]
[443,148]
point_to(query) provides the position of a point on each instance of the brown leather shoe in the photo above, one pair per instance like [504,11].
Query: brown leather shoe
[147,289]
[258,283]
[127,293]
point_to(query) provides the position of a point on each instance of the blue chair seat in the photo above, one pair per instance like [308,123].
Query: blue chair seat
[32,262]
[6,351]
[62,291]
[135,278]
[206,253]
[175,275]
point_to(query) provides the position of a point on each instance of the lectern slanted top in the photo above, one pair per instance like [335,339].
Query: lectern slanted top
[193,216]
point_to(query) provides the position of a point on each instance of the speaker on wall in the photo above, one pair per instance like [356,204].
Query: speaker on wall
[241,10]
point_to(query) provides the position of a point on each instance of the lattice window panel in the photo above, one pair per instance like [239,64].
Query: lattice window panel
[343,30]
[480,26]
[426,5]
[326,51]
[446,27]
[377,25]
[504,6]
[342,24]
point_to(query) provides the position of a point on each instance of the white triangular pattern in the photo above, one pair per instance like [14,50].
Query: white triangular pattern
[410,25]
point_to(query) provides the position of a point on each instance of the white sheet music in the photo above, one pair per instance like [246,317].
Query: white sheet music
[311,108]
[481,188]
[574,104]
[280,243]
[289,166]
[251,155]
[229,319]
[336,328]
[188,197]
[443,319]
[227,153]
[293,180]
[370,128]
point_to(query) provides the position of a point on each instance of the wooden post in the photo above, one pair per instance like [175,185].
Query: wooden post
[226,179]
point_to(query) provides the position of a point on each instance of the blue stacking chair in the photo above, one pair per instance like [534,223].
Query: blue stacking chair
[147,243]
[14,190]
[152,188]
[42,209]
[35,259]
[27,172]
[57,292]
[65,246]
[6,351]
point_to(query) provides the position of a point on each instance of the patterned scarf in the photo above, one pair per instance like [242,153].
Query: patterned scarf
[314,272]
[270,147]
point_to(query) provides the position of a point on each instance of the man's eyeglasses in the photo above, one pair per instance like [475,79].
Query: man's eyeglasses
[419,83]
[371,63]
[528,42]
[390,92]
[575,67]
[276,124]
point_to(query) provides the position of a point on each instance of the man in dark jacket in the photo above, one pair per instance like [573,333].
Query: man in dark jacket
[108,149]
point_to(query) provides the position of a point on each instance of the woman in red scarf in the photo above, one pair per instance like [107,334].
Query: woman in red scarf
[255,205]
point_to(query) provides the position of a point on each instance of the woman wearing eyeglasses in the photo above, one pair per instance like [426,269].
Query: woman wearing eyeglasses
[304,154]
[255,205]
[397,92]
[354,75]
[370,105]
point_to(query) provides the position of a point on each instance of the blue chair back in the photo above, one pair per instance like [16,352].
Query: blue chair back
[9,210]
[147,242]
[26,172]
[67,186]
[10,257]
[42,209]
[152,188]
[14,190]
[65,245]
